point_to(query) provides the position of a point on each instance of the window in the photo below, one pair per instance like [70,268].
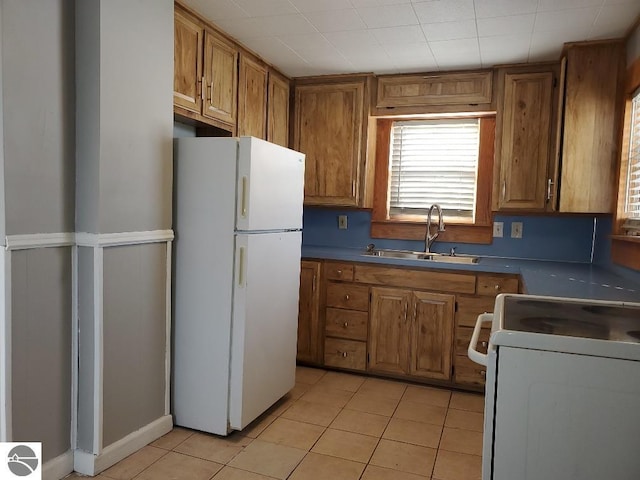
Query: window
[434,161]
[422,161]
[632,190]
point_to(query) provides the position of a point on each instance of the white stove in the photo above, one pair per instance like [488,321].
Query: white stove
[562,390]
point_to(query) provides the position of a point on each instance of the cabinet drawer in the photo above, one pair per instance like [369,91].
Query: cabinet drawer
[470,307]
[339,271]
[419,279]
[354,297]
[493,285]
[468,372]
[345,354]
[346,324]
[463,337]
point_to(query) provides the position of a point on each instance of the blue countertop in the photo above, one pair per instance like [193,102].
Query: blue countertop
[558,279]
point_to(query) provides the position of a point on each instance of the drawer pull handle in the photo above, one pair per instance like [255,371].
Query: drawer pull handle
[346,297]
[497,287]
[339,272]
[484,344]
[345,325]
[343,354]
[483,373]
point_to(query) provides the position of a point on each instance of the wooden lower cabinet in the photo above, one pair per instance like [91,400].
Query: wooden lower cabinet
[381,320]
[309,334]
[411,333]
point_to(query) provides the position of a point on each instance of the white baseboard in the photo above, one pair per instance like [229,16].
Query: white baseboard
[59,467]
[90,464]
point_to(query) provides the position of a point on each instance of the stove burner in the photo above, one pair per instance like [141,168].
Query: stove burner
[634,334]
[569,327]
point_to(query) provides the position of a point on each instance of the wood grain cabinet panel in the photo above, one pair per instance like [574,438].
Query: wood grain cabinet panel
[252,98]
[221,79]
[347,354]
[344,295]
[187,57]
[524,137]
[278,109]
[309,334]
[433,90]
[492,285]
[389,331]
[349,324]
[339,271]
[591,119]
[431,335]
[205,76]
[330,128]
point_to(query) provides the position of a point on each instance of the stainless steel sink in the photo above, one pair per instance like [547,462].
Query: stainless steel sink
[428,257]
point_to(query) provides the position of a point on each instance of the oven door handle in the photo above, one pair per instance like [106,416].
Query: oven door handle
[474,354]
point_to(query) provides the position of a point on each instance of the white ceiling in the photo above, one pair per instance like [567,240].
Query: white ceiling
[315,37]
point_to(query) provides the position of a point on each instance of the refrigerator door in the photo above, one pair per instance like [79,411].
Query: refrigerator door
[265,321]
[270,186]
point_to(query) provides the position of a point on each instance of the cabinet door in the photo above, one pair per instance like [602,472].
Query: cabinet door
[523,140]
[431,335]
[278,110]
[328,130]
[389,330]
[589,153]
[187,57]
[221,79]
[252,99]
[308,315]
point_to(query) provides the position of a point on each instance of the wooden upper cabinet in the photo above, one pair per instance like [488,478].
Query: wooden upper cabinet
[278,109]
[252,98]
[431,335]
[589,151]
[205,76]
[434,92]
[187,57]
[330,128]
[221,79]
[309,333]
[524,137]
[389,330]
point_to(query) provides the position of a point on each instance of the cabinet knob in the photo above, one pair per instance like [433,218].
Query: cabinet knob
[345,325]
[497,287]
[346,297]
[344,354]
[483,373]
[339,272]
[484,344]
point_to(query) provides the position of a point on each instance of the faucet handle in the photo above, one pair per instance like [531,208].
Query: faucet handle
[371,247]
[452,252]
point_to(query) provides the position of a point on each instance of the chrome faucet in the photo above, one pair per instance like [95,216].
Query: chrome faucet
[428,238]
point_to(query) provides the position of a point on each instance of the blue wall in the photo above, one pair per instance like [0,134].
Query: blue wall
[566,238]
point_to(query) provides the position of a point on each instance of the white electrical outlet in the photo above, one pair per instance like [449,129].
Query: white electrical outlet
[498,229]
[342,222]
[516,230]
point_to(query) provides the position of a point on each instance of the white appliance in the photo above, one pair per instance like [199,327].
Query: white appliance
[238,221]
[562,398]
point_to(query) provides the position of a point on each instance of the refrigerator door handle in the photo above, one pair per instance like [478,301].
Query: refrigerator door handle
[241,267]
[244,197]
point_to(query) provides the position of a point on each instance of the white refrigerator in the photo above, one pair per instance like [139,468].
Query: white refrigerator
[238,233]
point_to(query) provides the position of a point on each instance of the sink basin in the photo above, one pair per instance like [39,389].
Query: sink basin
[428,257]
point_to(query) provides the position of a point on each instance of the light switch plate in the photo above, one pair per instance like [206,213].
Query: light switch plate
[342,222]
[516,230]
[498,229]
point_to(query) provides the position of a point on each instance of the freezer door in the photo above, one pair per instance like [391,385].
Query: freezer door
[265,321]
[270,186]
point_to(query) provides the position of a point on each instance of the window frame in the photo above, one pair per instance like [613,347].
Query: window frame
[625,249]
[414,228]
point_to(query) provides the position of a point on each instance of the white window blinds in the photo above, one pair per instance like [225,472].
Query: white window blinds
[632,203]
[434,161]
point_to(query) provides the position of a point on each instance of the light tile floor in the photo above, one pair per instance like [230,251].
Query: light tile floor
[331,426]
